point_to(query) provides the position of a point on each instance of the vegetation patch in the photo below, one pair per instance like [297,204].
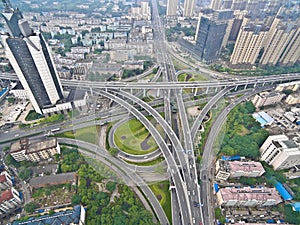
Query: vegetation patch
[125,209]
[32,115]
[161,191]
[150,163]
[132,137]
[88,134]
[243,135]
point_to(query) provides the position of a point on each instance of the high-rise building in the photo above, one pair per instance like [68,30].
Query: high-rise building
[280,152]
[248,44]
[29,56]
[145,10]
[282,42]
[238,4]
[172,7]
[216,4]
[267,98]
[188,8]
[211,29]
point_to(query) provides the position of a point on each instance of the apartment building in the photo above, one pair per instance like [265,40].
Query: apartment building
[267,98]
[234,169]
[9,200]
[42,150]
[280,152]
[248,197]
[5,181]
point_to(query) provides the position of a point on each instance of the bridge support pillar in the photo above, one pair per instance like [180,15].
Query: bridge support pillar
[195,91]
[207,90]
[216,89]
[105,89]
[263,84]
[254,85]
[144,93]
[236,87]
[172,187]
[245,86]
[131,91]
[91,90]
[157,93]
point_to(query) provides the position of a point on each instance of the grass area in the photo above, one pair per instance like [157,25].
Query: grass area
[207,125]
[179,65]
[130,136]
[32,115]
[161,191]
[61,193]
[150,163]
[88,134]
[242,130]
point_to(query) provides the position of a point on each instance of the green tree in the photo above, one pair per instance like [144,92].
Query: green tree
[11,100]
[30,207]
[110,186]
[76,199]
[25,173]
[291,216]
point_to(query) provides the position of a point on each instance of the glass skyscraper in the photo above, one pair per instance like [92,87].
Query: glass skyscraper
[29,56]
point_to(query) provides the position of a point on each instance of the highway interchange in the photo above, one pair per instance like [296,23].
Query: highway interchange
[177,145]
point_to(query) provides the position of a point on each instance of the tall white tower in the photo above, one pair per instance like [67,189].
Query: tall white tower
[172,7]
[189,6]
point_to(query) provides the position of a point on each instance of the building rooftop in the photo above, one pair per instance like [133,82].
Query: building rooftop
[263,118]
[236,166]
[2,178]
[6,195]
[247,193]
[46,144]
[283,192]
[52,179]
[296,206]
[65,217]
[24,144]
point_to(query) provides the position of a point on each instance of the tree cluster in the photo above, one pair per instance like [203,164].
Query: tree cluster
[238,143]
[126,209]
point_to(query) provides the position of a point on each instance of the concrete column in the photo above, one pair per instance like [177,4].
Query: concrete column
[216,89]
[195,92]
[245,86]
[144,93]
[157,93]
[131,91]
[91,90]
[236,87]
[254,85]
[263,84]
[207,90]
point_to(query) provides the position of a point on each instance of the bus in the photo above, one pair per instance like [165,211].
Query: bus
[55,129]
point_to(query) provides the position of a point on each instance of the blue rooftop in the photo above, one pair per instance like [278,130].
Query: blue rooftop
[3,91]
[283,192]
[296,206]
[216,186]
[231,158]
[66,217]
[266,117]
[263,118]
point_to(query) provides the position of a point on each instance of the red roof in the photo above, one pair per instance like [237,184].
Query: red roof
[6,195]
[2,178]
